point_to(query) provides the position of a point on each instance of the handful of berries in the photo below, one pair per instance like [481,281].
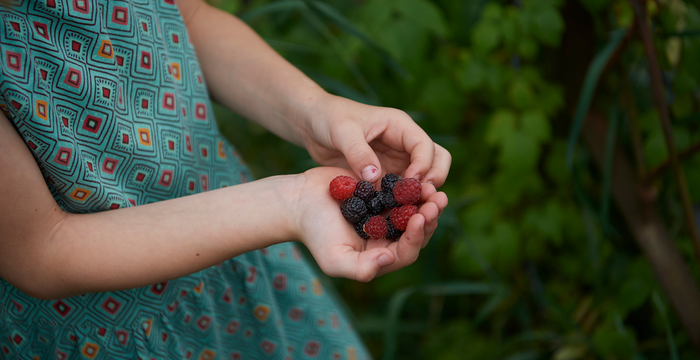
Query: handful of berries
[363,205]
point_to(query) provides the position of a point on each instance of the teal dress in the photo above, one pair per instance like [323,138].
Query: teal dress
[110,99]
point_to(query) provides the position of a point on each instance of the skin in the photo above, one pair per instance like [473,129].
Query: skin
[49,254]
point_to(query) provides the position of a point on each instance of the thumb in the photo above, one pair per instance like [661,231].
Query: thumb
[366,265]
[360,156]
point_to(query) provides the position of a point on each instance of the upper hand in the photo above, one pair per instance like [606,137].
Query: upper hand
[372,141]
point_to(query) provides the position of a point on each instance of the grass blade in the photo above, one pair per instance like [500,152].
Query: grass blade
[490,305]
[316,22]
[589,85]
[337,87]
[399,298]
[524,355]
[346,25]
[673,351]
[608,164]
[273,8]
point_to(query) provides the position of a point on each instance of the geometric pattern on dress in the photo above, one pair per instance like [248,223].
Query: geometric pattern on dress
[111,101]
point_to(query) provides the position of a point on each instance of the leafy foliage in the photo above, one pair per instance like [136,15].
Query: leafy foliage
[481,78]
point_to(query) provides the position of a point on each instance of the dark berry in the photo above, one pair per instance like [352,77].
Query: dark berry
[342,187]
[392,233]
[364,190]
[407,191]
[360,227]
[389,201]
[376,227]
[353,209]
[376,204]
[388,182]
[399,216]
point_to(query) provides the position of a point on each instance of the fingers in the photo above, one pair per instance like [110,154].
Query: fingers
[431,212]
[422,150]
[440,167]
[359,155]
[429,161]
[362,266]
[408,246]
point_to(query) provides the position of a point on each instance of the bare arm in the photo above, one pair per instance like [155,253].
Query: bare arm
[49,253]
[248,76]
[244,73]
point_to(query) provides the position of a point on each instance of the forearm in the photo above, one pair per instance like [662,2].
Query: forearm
[247,75]
[148,244]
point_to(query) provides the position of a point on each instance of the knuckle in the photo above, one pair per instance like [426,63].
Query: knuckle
[364,277]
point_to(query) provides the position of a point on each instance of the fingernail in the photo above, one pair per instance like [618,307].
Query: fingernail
[417,176]
[384,260]
[369,173]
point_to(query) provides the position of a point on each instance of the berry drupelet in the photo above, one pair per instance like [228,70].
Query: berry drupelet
[376,204]
[388,182]
[364,190]
[353,209]
[407,191]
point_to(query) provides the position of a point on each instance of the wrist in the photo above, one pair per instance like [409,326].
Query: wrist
[287,190]
[304,110]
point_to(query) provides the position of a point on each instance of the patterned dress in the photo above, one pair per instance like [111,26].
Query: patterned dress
[110,99]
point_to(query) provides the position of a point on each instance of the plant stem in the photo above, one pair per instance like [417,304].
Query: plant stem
[657,86]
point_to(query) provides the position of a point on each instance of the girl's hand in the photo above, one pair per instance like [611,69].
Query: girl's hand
[372,141]
[338,250]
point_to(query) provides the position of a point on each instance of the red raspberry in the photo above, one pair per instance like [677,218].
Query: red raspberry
[342,187]
[407,191]
[376,227]
[400,215]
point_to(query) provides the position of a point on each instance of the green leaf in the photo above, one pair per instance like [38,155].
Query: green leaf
[493,11]
[528,48]
[535,124]
[549,26]
[342,22]
[545,221]
[511,185]
[611,343]
[486,36]
[501,127]
[506,244]
[425,14]
[376,12]
[478,216]
[632,295]
[519,153]
[471,75]
[510,25]
[521,94]
[393,38]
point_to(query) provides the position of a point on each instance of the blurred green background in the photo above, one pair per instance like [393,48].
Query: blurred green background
[533,258]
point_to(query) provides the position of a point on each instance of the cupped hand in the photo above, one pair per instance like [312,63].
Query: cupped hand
[338,250]
[372,141]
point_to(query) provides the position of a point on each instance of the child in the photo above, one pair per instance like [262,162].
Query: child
[114,178]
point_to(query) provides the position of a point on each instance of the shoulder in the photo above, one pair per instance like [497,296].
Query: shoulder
[189,7]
